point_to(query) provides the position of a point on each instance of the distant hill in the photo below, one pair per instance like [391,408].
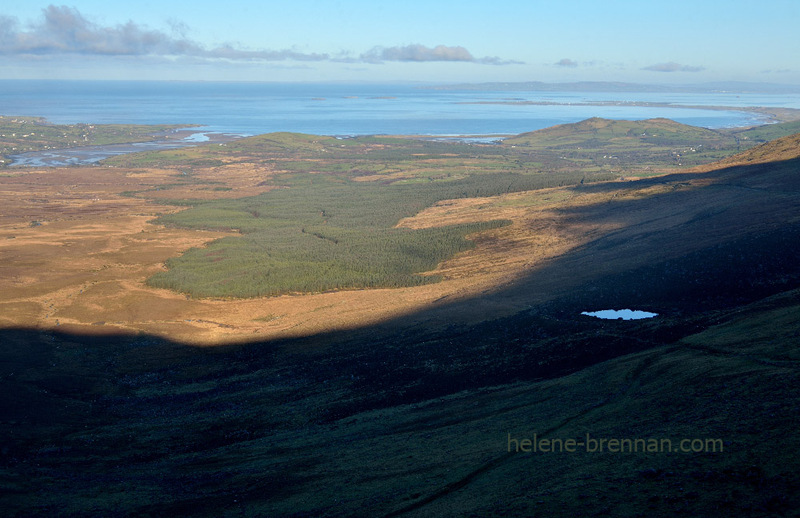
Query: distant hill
[597,130]
[633,147]
[642,145]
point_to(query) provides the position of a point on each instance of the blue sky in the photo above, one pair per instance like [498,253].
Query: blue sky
[645,41]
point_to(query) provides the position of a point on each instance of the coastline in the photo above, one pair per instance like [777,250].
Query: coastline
[193,135]
[87,155]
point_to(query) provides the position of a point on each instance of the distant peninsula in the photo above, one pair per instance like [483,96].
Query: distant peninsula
[611,86]
[770,114]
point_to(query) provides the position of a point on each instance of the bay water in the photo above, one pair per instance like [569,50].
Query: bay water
[358,109]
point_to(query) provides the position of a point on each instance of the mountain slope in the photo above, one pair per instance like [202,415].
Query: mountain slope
[778,150]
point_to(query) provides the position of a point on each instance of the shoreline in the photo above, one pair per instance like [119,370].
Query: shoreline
[89,155]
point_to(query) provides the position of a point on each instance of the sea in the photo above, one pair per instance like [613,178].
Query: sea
[341,109]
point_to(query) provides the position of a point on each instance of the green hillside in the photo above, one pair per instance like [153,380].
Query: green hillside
[627,146]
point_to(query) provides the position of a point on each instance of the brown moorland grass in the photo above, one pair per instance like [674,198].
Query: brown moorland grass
[87,273]
[76,249]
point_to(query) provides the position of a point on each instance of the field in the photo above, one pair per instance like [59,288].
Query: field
[294,325]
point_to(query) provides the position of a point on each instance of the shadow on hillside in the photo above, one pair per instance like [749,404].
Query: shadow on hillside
[690,254]
[682,253]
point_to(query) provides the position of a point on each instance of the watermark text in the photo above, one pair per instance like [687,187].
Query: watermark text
[589,444]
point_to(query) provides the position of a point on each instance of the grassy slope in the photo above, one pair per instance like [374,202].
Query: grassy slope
[391,421]
[134,426]
[760,134]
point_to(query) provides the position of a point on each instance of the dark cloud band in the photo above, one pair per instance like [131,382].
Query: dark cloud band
[420,53]
[672,67]
[64,30]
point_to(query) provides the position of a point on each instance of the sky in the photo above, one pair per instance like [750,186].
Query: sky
[641,41]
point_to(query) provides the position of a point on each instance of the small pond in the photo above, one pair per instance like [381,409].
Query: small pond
[616,314]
